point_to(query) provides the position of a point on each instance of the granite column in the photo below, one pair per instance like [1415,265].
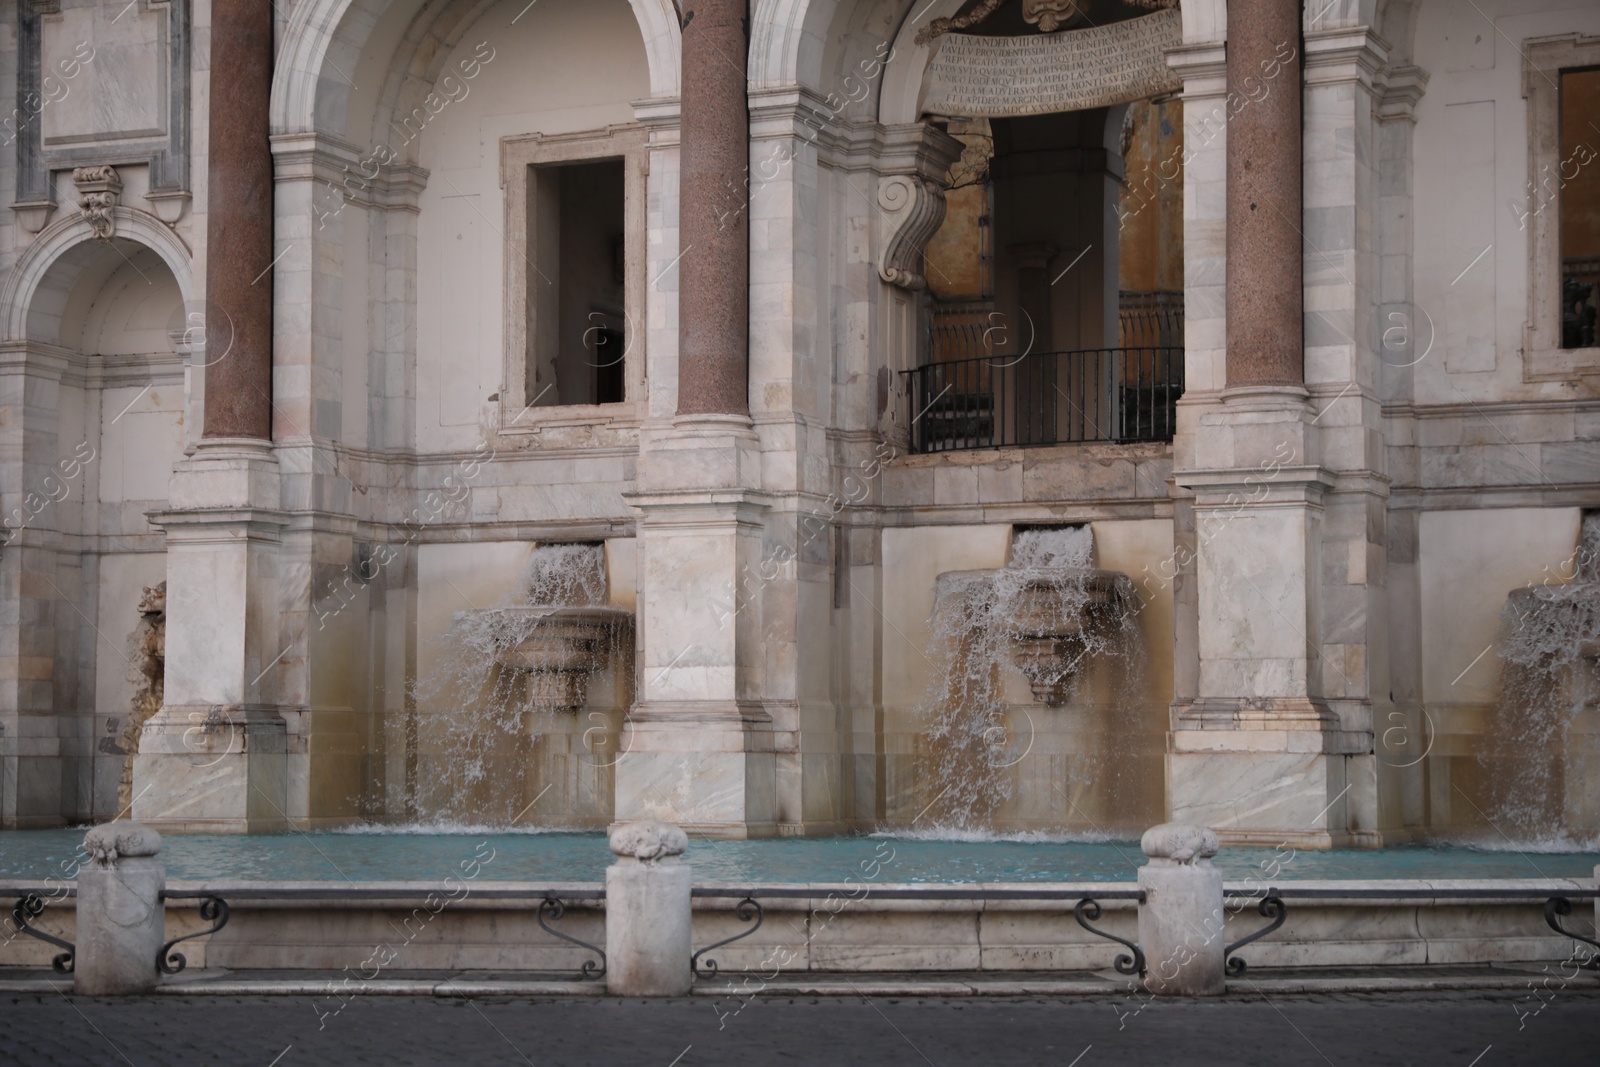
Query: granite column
[1264,194]
[239,224]
[714,272]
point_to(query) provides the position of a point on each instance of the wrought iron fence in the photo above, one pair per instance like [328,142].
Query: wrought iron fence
[1116,395]
[1152,318]
[972,329]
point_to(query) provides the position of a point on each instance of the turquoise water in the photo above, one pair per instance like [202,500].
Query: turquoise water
[582,857]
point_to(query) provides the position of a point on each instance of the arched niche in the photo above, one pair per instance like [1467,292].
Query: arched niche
[94,436]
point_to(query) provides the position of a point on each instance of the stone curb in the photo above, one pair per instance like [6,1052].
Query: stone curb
[791,988]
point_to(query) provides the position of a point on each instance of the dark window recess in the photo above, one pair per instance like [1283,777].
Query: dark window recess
[609,348]
[1575,186]
[578,337]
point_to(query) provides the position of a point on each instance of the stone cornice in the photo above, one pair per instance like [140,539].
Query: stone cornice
[1399,90]
[300,157]
[1203,68]
[1344,54]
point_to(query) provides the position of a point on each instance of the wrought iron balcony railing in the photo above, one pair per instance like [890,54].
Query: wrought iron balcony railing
[1117,395]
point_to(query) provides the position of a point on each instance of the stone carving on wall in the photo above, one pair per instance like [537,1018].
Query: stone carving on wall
[98,191]
[1100,66]
[913,208]
[149,671]
[1051,15]
[68,118]
[940,27]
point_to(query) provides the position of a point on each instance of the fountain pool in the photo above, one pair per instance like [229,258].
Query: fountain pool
[421,855]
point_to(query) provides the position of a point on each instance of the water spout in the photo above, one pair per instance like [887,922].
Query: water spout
[1049,615]
[1550,673]
[506,694]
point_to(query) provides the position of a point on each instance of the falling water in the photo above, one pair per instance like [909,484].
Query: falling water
[480,753]
[981,620]
[1549,647]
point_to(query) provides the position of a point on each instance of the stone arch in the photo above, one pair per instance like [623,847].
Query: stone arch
[324,37]
[34,294]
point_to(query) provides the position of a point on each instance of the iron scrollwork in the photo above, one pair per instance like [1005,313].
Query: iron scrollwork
[31,906]
[213,910]
[1271,907]
[747,909]
[1556,907]
[1087,911]
[555,908]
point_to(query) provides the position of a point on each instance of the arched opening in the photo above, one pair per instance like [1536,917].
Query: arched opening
[99,444]
[1055,282]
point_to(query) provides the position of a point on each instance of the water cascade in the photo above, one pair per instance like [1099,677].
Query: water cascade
[1052,617]
[1543,769]
[516,680]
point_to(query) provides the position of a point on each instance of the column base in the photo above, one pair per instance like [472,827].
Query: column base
[203,769]
[707,766]
[1269,779]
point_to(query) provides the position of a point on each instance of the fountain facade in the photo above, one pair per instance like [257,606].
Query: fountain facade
[435,377]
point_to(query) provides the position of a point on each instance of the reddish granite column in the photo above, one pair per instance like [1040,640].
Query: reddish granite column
[1265,327]
[239,223]
[714,273]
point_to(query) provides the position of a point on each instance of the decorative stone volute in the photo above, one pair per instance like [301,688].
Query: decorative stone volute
[1179,843]
[649,840]
[913,208]
[98,191]
[122,838]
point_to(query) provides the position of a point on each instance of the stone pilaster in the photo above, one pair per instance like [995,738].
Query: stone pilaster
[213,758]
[31,599]
[699,744]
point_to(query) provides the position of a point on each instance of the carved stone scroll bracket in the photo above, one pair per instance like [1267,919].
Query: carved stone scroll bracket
[98,191]
[913,209]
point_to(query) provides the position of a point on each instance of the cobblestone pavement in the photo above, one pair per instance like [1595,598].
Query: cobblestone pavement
[1558,1028]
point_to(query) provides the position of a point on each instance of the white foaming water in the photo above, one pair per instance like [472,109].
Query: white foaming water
[1069,546]
[447,826]
[1048,599]
[568,575]
[1020,837]
[479,728]
[1549,648]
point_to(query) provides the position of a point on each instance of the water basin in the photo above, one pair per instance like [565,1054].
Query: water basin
[555,855]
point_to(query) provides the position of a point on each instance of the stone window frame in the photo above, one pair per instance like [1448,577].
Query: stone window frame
[1543,358]
[519,155]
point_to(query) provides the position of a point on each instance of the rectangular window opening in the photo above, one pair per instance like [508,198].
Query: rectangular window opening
[578,330]
[1577,182]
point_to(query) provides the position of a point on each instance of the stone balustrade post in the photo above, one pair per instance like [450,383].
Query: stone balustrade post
[1181,919]
[121,920]
[648,944]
